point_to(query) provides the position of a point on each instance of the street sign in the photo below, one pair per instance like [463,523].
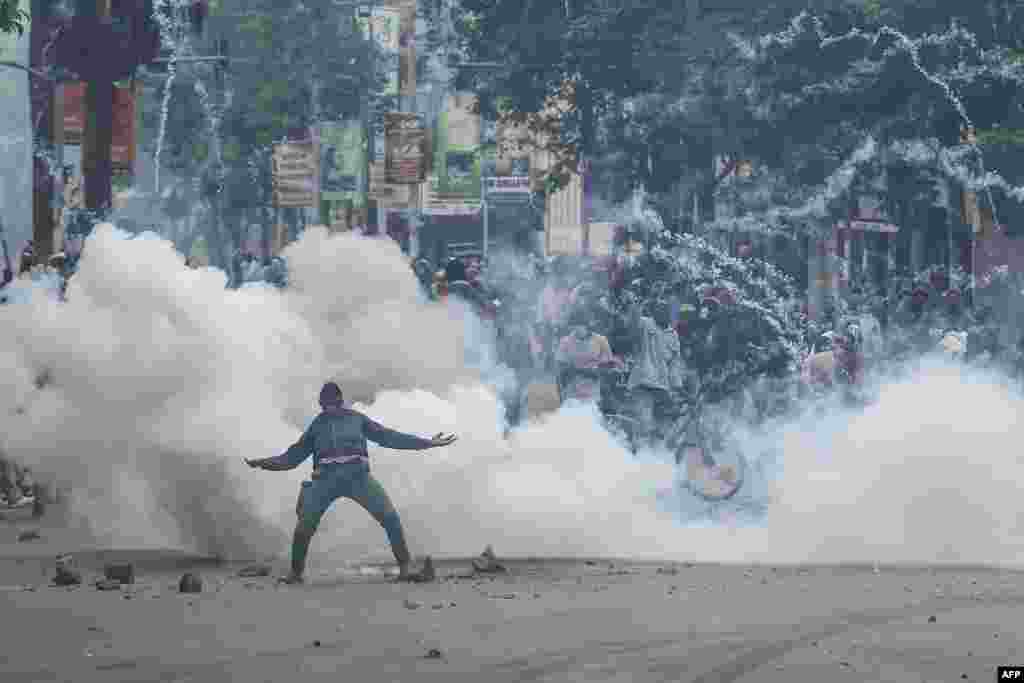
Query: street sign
[507,185]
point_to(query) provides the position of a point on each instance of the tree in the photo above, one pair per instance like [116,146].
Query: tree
[13,19]
[657,91]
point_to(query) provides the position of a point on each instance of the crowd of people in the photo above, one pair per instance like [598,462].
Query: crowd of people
[569,321]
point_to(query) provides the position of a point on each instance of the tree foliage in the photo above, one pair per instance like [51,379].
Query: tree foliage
[13,19]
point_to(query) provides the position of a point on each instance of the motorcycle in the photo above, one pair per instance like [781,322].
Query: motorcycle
[713,467]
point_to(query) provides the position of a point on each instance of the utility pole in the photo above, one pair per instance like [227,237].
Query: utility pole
[97,168]
[48,131]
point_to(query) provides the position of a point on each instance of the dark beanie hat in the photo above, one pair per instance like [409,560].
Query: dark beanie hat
[331,395]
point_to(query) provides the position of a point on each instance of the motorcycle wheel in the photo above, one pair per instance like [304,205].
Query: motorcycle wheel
[712,474]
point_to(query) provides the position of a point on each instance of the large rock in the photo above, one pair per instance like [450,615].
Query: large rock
[190,583]
[66,574]
[488,563]
[122,572]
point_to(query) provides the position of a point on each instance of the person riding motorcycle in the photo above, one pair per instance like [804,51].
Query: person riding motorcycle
[581,354]
[657,372]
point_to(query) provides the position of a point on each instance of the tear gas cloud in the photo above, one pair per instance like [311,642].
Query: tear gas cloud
[163,380]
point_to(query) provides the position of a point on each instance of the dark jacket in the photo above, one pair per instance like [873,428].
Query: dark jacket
[337,438]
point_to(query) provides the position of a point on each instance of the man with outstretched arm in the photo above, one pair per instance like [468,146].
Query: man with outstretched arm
[341,469]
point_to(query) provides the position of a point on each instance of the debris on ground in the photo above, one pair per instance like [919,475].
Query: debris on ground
[488,563]
[190,583]
[66,574]
[412,604]
[932,619]
[31,535]
[122,572]
[434,653]
[254,571]
[427,573]
[108,585]
[670,571]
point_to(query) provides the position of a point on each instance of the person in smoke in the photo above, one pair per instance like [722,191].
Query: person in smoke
[657,371]
[27,258]
[341,469]
[579,354]
[551,311]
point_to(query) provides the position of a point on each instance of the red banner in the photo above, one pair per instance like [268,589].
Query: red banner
[74,113]
[122,147]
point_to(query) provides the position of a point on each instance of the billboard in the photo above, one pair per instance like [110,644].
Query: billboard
[342,161]
[407,51]
[383,27]
[122,147]
[405,148]
[457,148]
[395,195]
[74,113]
[294,174]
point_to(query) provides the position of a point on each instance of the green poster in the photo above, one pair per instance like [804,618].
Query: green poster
[457,167]
[342,161]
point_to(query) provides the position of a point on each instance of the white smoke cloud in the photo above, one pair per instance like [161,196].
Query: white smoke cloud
[162,381]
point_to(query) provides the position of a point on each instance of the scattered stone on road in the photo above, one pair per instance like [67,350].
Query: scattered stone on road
[671,571]
[434,653]
[108,585]
[66,574]
[31,535]
[122,572]
[412,604]
[427,574]
[488,563]
[932,619]
[254,571]
[190,583]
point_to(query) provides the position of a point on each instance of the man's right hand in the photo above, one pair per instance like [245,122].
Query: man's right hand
[256,463]
[442,439]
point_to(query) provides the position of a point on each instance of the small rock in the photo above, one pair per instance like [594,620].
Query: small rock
[108,585]
[412,604]
[452,604]
[316,643]
[94,629]
[31,535]
[254,571]
[434,653]
[438,605]
[764,582]
[670,571]
[190,583]
[996,636]
[963,677]
[590,563]
[843,662]
[122,572]
[427,574]
[970,654]
[488,563]
[536,595]
[932,619]
[505,596]
[67,577]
